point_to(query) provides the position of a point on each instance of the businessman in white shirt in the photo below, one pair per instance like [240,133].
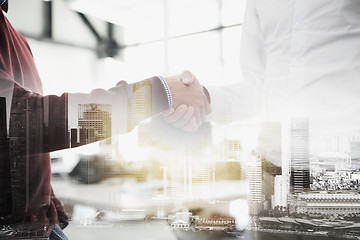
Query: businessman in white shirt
[299,58]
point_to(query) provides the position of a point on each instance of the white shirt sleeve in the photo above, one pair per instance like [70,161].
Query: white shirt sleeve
[243,100]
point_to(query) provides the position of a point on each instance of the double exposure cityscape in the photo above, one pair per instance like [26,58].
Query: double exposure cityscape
[259,180]
[267,180]
[179,120]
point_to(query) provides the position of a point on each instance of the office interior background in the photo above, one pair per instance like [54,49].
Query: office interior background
[146,38]
[276,180]
[80,45]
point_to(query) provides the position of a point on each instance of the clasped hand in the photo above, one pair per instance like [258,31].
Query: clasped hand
[191,102]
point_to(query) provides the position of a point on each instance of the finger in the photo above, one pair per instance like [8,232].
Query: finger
[186,118]
[197,117]
[167,112]
[187,77]
[191,126]
[177,114]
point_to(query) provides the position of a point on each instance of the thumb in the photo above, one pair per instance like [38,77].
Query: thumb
[187,77]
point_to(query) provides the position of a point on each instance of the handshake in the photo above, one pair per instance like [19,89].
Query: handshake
[190,102]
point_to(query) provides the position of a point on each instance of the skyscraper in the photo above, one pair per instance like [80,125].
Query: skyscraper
[280,191]
[229,155]
[5,179]
[140,108]
[179,176]
[82,136]
[269,147]
[299,155]
[97,116]
[192,169]
[139,104]
[26,139]
[254,178]
[202,167]
[56,122]
[355,154]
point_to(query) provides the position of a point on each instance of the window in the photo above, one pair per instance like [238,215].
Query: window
[200,35]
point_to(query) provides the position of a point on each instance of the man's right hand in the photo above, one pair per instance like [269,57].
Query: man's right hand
[191,103]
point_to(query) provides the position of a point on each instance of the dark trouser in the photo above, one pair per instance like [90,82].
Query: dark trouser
[57,234]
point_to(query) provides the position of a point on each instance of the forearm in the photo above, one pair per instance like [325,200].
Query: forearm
[235,102]
[148,98]
[129,104]
[46,118]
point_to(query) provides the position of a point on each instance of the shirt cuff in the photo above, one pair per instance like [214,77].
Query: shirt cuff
[160,97]
[167,90]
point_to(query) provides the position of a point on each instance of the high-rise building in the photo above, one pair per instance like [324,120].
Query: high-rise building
[338,143]
[145,131]
[229,150]
[281,189]
[229,155]
[299,155]
[179,176]
[96,116]
[254,177]
[269,147]
[56,122]
[140,108]
[202,168]
[355,136]
[5,178]
[355,150]
[37,125]
[331,143]
[82,136]
[26,138]
[192,168]
[139,104]
[355,154]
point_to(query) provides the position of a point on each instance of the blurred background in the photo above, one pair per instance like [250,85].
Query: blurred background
[252,179]
[79,45]
[113,188]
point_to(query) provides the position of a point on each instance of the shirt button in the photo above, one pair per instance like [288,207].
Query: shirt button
[299,26]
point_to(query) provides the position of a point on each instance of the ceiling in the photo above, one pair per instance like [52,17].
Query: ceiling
[113,11]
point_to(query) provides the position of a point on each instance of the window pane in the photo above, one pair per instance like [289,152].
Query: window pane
[143,61]
[143,23]
[198,53]
[232,11]
[188,16]
[142,20]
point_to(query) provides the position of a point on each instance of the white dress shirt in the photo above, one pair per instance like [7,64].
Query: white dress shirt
[300,58]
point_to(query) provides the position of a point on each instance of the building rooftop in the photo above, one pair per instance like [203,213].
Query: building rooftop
[288,220]
[269,219]
[355,225]
[306,222]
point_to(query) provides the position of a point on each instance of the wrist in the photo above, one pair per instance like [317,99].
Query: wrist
[175,86]
[167,90]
